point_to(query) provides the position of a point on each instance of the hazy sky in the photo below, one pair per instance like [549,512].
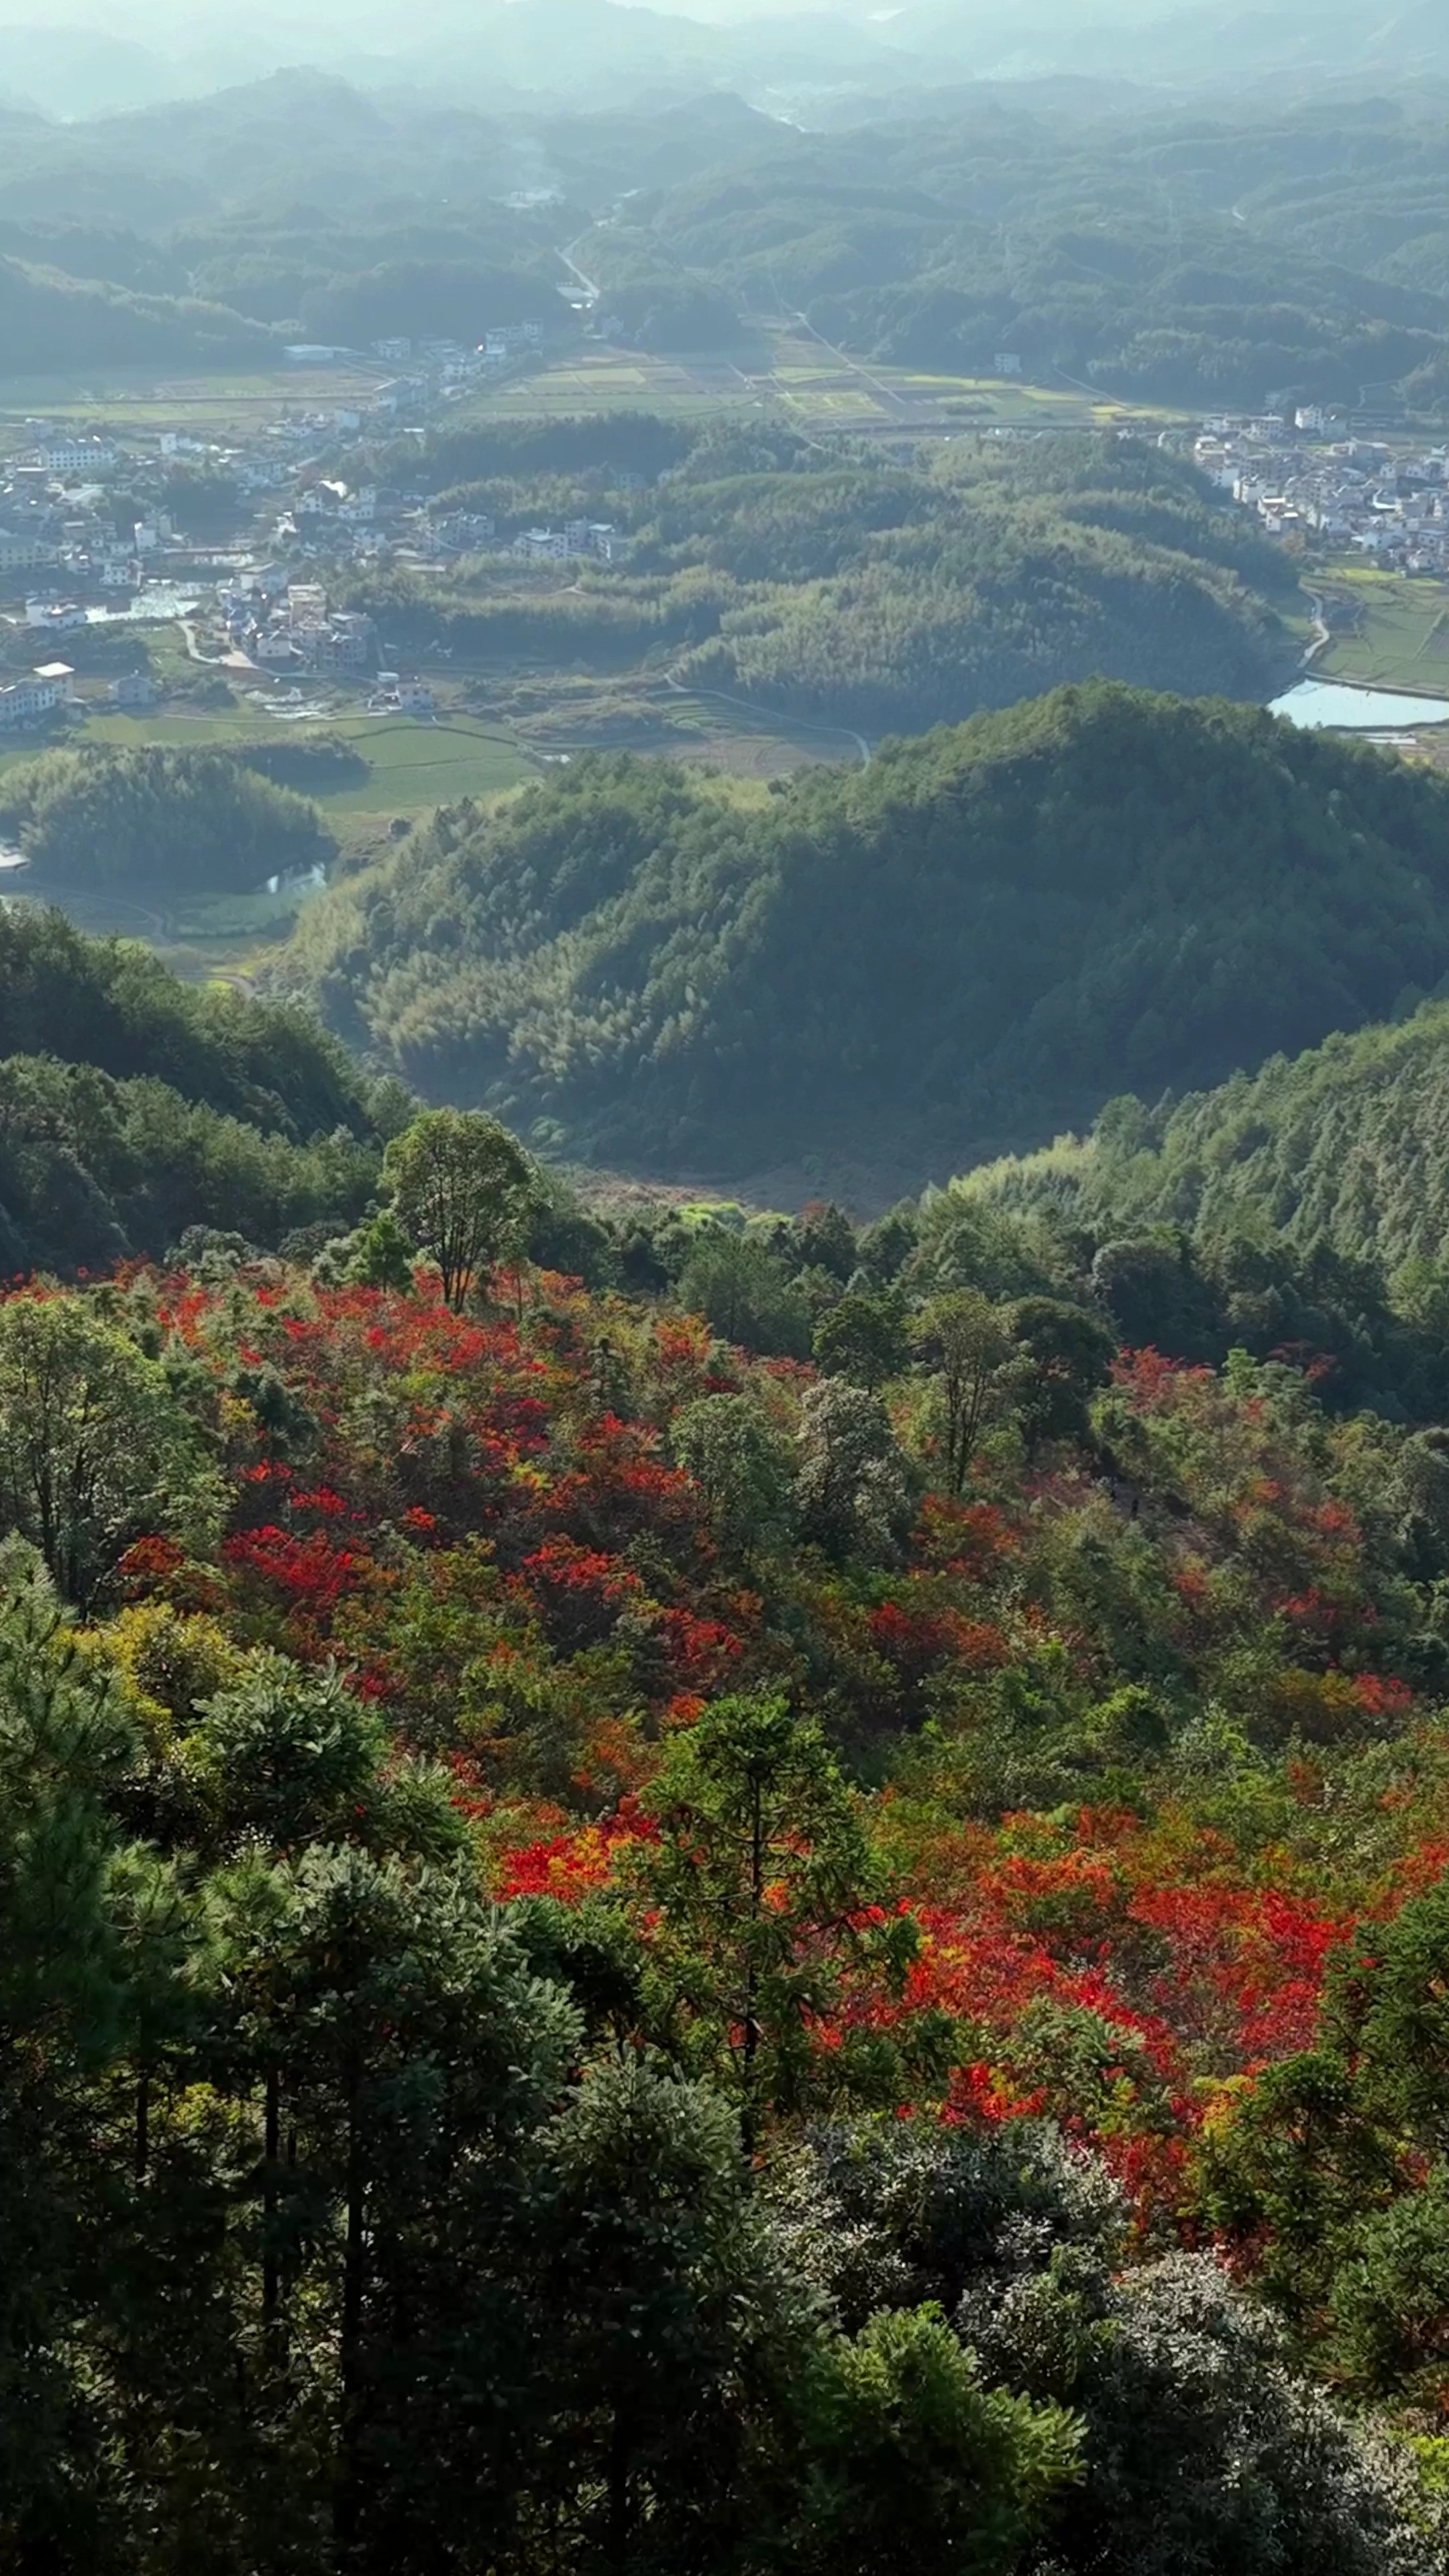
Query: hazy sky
[175,24]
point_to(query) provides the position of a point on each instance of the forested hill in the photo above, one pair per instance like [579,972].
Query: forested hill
[1295,254]
[850,589]
[1345,1147]
[51,321]
[134,1107]
[964,949]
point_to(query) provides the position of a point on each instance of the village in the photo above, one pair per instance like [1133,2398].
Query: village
[91,539]
[1336,489]
[100,536]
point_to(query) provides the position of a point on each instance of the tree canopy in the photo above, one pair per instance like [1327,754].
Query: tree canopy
[963,948]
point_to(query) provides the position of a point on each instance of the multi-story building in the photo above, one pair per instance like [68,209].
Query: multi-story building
[25,701]
[76,456]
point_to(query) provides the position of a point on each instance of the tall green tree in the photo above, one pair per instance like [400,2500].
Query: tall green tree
[863,1338]
[916,2468]
[463,1191]
[673,2328]
[95,1448]
[765,1896]
[64,1745]
[396,2055]
[743,1469]
[961,1339]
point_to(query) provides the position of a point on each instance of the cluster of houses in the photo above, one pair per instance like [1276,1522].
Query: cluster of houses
[598,538]
[1349,492]
[290,629]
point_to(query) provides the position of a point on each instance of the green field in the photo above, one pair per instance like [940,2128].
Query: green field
[1402,637]
[413,765]
[783,371]
[608,380]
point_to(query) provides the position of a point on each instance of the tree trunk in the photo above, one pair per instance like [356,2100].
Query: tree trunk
[143,2122]
[271,2250]
[616,2541]
[348,2512]
[748,2122]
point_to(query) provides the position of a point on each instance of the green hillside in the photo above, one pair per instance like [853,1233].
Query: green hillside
[961,950]
[133,1107]
[1345,1147]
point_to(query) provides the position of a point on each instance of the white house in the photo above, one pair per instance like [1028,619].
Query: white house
[542,545]
[54,617]
[24,700]
[133,689]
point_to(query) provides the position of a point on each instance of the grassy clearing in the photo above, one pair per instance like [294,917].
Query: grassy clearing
[413,765]
[1402,637]
[609,380]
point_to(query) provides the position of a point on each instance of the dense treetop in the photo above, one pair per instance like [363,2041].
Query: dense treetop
[966,945]
[190,821]
[843,588]
[1221,262]
[135,1106]
[619,1955]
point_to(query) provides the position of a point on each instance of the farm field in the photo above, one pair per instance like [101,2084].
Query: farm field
[1401,639]
[413,766]
[789,373]
[605,379]
[137,400]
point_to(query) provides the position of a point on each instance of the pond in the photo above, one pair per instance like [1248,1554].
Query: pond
[1316,704]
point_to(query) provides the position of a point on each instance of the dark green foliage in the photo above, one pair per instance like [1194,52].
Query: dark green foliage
[667,2301]
[51,323]
[1213,264]
[736,1283]
[109,1004]
[911,2457]
[92,1168]
[1300,1210]
[96,1449]
[1199,2447]
[441,299]
[863,1338]
[522,450]
[742,1469]
[196,821]
[1338,2163]
[311,764]
[1344,1148]
[966,945]
[463,1191]
[766,1888]
[133,1106]
[852,591]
